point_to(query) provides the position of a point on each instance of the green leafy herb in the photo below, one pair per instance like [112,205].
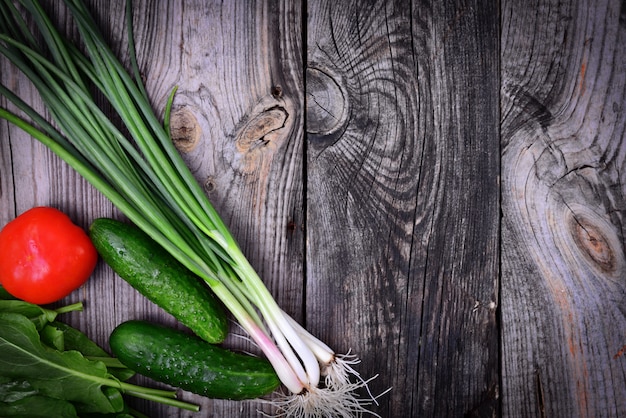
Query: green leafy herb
[11,390]
[38,407]
[39,315]
[57,374]
[74,339]
[52,337]
[65,375]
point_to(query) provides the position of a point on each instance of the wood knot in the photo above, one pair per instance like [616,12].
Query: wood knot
[259,131]
[327,101]
[593,243]
[185,130]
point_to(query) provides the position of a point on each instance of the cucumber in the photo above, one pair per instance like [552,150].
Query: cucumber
[157,275]
[184,361]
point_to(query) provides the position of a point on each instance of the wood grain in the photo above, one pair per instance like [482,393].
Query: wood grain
[436,186]
[402,192]
[238,69]
[563,290]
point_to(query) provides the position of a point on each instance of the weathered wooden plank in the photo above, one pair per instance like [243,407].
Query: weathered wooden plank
[563,131]
[403,198]
[237,118]
[402,159]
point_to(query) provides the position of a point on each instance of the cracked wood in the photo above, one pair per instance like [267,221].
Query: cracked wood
[563,132]
[438,186]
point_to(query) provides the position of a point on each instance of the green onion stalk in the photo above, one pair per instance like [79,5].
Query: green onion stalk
[144,176]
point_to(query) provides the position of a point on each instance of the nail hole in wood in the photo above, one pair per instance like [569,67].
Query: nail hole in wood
[209,185]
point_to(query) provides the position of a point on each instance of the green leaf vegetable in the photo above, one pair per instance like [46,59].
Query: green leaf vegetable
[59,335]
[73,339]
[62,383]
[34,405]
[145,177]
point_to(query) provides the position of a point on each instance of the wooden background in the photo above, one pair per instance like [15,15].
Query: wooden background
[438,186]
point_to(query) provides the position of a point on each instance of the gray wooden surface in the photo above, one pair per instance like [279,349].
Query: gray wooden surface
[436,186]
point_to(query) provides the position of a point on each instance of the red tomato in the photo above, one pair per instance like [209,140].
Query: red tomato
[44,256]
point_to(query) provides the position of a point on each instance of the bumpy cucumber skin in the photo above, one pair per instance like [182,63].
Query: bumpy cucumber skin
[157,275]
[186,362]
